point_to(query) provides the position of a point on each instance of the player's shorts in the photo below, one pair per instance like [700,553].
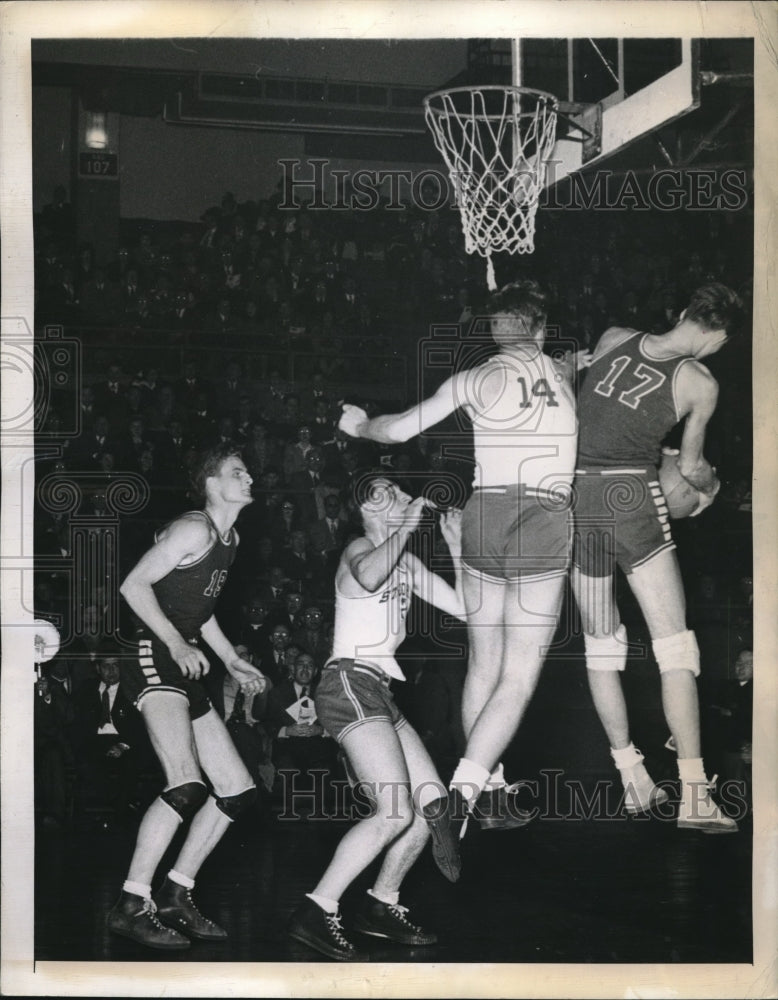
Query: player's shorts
[155,670]
[621,519]
[516,532]
[351,693]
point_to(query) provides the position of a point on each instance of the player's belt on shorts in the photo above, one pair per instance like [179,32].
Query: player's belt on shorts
[529,491]
[610,472]
[359,666]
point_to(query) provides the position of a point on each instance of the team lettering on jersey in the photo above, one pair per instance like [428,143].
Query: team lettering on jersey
[401,590]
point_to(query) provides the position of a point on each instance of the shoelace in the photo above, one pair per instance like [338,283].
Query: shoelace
[149,909]
[336,929]
[194,907]
[400,912]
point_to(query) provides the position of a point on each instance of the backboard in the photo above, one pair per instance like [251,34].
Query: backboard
[612,91]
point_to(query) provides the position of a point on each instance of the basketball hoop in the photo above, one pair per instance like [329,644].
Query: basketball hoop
[496,142]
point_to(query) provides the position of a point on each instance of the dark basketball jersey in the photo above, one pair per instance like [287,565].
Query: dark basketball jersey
[626,406]
[188,594]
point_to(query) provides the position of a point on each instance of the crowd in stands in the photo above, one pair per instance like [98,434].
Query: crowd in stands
[251,326]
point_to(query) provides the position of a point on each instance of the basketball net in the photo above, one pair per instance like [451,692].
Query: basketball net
[496,142]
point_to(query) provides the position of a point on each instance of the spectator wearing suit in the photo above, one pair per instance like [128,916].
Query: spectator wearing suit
[286,521]
[132,443]
[309,487]
[191,388]
[110,741]
[109,396]
[100,299]
[95,443]
[329,533]
[300,743]
[53,743]
[321,422]
[290,606]
[311,636]
[300,565]
[261,451]
[296,452]
[230,389]
[273,589]
[253,630]
[272,663]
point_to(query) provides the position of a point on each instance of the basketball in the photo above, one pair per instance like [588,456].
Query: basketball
[681,497]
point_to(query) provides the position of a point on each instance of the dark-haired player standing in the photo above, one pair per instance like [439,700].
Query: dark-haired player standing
[637,388]
[375,580]
[172,591]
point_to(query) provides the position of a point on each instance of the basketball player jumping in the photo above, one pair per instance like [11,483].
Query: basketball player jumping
[373,586]
[515,532]
[637,388]
[173,591]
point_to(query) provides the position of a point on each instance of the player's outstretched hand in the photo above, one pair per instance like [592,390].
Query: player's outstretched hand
[413,512]
[352,420]
[192,661]
[451,529]
[251,680]
[583,359]
[706,499]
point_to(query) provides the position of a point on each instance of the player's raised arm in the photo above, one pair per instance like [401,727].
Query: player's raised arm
[181,541]
[433,588]
[394,428]
[370,564]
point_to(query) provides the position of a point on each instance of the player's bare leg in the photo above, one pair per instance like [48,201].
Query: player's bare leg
[484,602]
[503,670]
[606,658]
[659,591]
[233,791]
[381,914]
[376,758]
[166,715]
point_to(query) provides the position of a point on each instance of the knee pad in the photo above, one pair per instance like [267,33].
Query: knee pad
[608,652]
[185,799]
[233,805]
[678,652]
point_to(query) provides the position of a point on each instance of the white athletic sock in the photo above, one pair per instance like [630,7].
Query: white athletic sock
[390,898]
[496,778]
[137,889]
[328,905]
[691,770]
[626,757]
[469,779]
[179,879]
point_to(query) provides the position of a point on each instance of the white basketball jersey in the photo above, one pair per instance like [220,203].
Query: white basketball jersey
[371,627]
[524,423]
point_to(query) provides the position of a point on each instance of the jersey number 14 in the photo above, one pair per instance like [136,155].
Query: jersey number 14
[540,389]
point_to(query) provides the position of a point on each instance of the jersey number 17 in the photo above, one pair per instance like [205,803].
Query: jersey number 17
[648,379]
